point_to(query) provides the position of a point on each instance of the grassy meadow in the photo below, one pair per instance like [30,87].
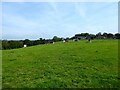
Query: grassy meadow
[62,65]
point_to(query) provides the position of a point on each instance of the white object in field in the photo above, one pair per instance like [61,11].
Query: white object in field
[25,45]
[53,42]
[73,39]
[63,40]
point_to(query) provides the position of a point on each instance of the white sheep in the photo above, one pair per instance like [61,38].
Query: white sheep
[25,46]
[63,40]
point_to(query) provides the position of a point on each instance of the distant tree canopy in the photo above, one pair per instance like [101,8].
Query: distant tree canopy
[117,35]
[56,39]
[105,34]
[82,34]
[0,44]
[12,44]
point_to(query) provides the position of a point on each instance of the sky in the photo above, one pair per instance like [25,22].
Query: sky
[34,20]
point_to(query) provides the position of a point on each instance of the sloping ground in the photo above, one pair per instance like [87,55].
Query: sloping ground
[71,65]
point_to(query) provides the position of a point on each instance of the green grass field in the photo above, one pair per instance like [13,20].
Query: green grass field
[62,65]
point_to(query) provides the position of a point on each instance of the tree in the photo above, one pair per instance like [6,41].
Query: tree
[15,44]
[56,39]
[117,35]
[67,38]
[27,42]
[85,34]
[11,44]
[82,34]
[98,35]
[110,35]
[42,41]
[92,36]
[5,44]
[105,34]
[0,44]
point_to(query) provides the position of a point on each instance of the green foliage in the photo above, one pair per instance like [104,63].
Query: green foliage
[117,35]
[11,44]
[26,41]
[18,44]
[83,34]
[56,39]
[62,65]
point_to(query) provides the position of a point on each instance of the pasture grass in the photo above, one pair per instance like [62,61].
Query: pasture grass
[62,65]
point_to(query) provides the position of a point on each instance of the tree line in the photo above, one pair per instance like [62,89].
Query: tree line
[12,44]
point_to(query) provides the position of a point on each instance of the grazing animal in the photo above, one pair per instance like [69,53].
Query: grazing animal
[25,46]
[75,39]
[89,40]
[63,40]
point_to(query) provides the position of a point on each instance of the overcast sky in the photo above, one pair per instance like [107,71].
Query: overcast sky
[34,20]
